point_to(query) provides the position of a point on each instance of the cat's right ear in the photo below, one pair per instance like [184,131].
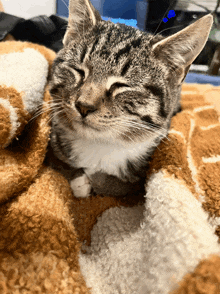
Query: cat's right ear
[82,17]
[182,48]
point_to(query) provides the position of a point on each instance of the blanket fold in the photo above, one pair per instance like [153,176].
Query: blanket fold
[166,241]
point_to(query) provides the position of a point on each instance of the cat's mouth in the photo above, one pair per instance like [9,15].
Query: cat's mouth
[91,126]
[86,124]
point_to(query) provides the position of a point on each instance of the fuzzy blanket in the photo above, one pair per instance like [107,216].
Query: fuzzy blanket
[166,241]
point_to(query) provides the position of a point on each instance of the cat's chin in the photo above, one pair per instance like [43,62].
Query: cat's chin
[88,126]
[93,133]
[106,136]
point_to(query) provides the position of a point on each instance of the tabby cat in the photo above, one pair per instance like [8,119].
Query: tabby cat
[115,90]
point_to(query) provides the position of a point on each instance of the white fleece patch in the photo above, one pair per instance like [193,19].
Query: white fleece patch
[13,118]
[191,162]
[148,249]
[27,72]
[211,159]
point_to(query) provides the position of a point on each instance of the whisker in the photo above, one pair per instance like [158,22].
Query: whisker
[126,135]
[52,116]
[135,130]
[142,126]
[38,113]
[44,108]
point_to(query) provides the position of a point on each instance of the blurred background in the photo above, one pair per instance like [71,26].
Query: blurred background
[153,16]
[143,12]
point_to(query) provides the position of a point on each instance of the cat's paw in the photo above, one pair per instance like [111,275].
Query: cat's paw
[81,186]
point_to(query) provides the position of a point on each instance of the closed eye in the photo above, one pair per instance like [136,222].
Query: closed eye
[74,70]
[80,71]
[115,86]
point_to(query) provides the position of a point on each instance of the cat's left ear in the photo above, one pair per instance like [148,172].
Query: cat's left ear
[181,49]
[82,17]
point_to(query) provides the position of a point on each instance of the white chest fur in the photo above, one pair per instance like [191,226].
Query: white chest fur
[108,157]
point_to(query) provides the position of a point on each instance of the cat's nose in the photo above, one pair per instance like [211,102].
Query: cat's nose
[84,108]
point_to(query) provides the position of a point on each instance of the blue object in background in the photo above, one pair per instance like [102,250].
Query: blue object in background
[120,9]
[171,14]
[190,78]
[202,79]
[128,22]
[118,12]
[125,9]
[62,9]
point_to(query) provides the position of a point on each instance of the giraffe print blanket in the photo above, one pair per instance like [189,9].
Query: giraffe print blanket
[166,241]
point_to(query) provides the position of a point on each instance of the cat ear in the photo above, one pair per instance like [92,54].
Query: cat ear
[82,16]
[182,48]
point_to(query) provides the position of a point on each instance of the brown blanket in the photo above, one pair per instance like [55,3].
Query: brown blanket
[166,241]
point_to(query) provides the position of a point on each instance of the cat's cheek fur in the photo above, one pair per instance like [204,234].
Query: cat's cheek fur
[81,186]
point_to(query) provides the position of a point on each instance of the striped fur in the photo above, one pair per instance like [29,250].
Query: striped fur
[115,90]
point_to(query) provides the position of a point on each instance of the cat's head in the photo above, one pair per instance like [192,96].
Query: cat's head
[115,82]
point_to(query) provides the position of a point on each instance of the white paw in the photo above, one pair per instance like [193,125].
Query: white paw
[81,186]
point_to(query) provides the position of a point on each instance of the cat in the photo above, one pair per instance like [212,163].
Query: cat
[115,90]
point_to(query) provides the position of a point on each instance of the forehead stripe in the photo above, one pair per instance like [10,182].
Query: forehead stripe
[125,67]
[126,50]
[83,54]
[94,46]
[122,51]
